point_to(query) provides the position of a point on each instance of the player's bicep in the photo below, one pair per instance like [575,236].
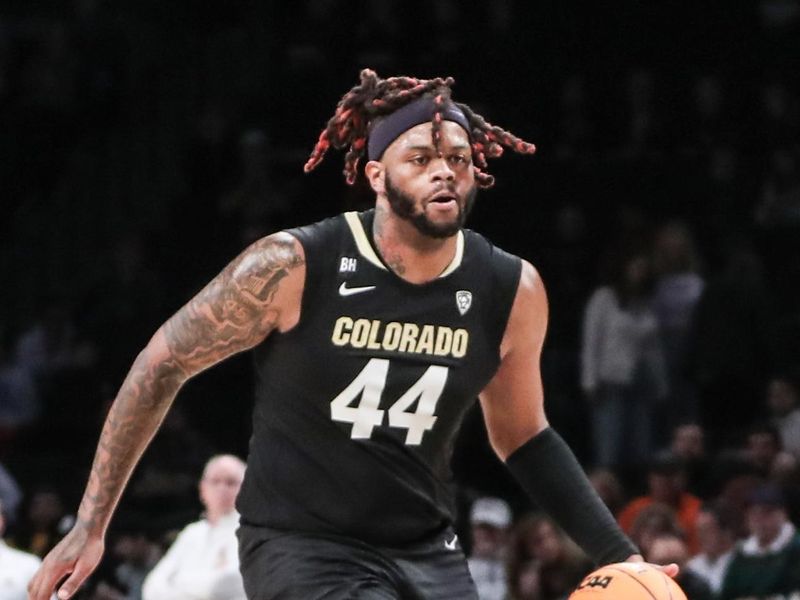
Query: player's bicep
[513,401]
[257,292]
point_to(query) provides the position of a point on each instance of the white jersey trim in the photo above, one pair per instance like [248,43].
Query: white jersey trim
[362,242]
[366,250]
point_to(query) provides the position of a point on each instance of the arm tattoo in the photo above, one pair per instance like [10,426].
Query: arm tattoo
[138,410]
[232,313]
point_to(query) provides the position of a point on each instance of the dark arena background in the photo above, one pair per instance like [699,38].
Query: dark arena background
[143,144]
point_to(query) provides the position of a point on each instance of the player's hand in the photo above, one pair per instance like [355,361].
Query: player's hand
[671,569]
[76,556]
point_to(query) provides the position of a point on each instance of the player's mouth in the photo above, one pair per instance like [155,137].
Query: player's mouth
[444,200]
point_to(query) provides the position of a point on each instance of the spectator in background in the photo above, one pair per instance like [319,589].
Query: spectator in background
[622,371]
[16,568]
[203,563]
[609,488]
[767,563]
[167,477]
[735,479]
[561,564]
[671,547]
[763,447]
[525,581]
[764,451]
[783,402]
[43,521]
[786,474]
[653,521]
[133,554]
[52,345]
[678,287]
[731,350]
[490,519]
[688,445]
[780,194]
[10,494]
[19,399]
[666,483]
[716,535]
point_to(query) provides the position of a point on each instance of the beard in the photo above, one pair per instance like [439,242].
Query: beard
[404,205]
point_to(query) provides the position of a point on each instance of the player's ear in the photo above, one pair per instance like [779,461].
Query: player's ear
[375,172]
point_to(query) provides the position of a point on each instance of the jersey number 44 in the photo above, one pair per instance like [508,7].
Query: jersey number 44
[366,414]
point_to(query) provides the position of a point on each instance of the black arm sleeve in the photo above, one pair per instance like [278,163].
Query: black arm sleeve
[548,471]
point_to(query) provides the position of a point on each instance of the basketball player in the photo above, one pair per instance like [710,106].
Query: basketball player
[373,332]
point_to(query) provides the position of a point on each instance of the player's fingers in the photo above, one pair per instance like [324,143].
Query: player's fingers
[42,585]
[671,570]
[73,582]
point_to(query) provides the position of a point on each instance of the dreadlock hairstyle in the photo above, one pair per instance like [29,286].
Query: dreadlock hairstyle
[374,97]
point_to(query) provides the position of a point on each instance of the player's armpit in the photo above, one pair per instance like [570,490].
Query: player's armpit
[513,402]
[259,291]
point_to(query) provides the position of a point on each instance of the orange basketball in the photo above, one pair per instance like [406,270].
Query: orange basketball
[627,581]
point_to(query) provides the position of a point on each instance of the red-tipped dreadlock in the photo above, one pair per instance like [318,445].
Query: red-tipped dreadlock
[375,97]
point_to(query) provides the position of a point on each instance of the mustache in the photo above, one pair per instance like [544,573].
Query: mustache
[449,188]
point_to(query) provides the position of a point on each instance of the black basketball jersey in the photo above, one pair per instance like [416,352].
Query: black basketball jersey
[357,405]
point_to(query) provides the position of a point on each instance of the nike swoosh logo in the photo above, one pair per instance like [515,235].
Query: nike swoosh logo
[451,545]
[346,291]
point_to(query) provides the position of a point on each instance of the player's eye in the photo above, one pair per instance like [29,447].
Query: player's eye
[420,160]
[458,159]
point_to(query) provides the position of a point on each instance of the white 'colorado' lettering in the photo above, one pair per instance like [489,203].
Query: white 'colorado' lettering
[395,336]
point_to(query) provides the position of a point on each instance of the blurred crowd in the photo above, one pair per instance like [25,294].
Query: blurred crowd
[739,543]
[145,144]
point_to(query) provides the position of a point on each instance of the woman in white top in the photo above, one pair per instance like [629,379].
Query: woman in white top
[622,369]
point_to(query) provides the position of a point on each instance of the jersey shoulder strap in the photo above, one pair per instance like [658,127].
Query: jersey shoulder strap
[501,271]
[320,243]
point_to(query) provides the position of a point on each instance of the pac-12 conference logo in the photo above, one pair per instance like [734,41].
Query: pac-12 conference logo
[463,301]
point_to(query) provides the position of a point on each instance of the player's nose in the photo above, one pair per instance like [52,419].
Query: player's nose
[440,170]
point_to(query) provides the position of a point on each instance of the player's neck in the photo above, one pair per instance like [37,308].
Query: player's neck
[414,256]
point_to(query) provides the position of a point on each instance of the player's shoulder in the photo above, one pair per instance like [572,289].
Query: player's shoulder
[504,264]
[280,240]
[480,243]
[484,252]
[318,230]
[530,281]
[270,254]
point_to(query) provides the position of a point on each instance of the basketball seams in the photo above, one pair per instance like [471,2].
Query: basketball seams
[644,577]
[636,579]
[666,580]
